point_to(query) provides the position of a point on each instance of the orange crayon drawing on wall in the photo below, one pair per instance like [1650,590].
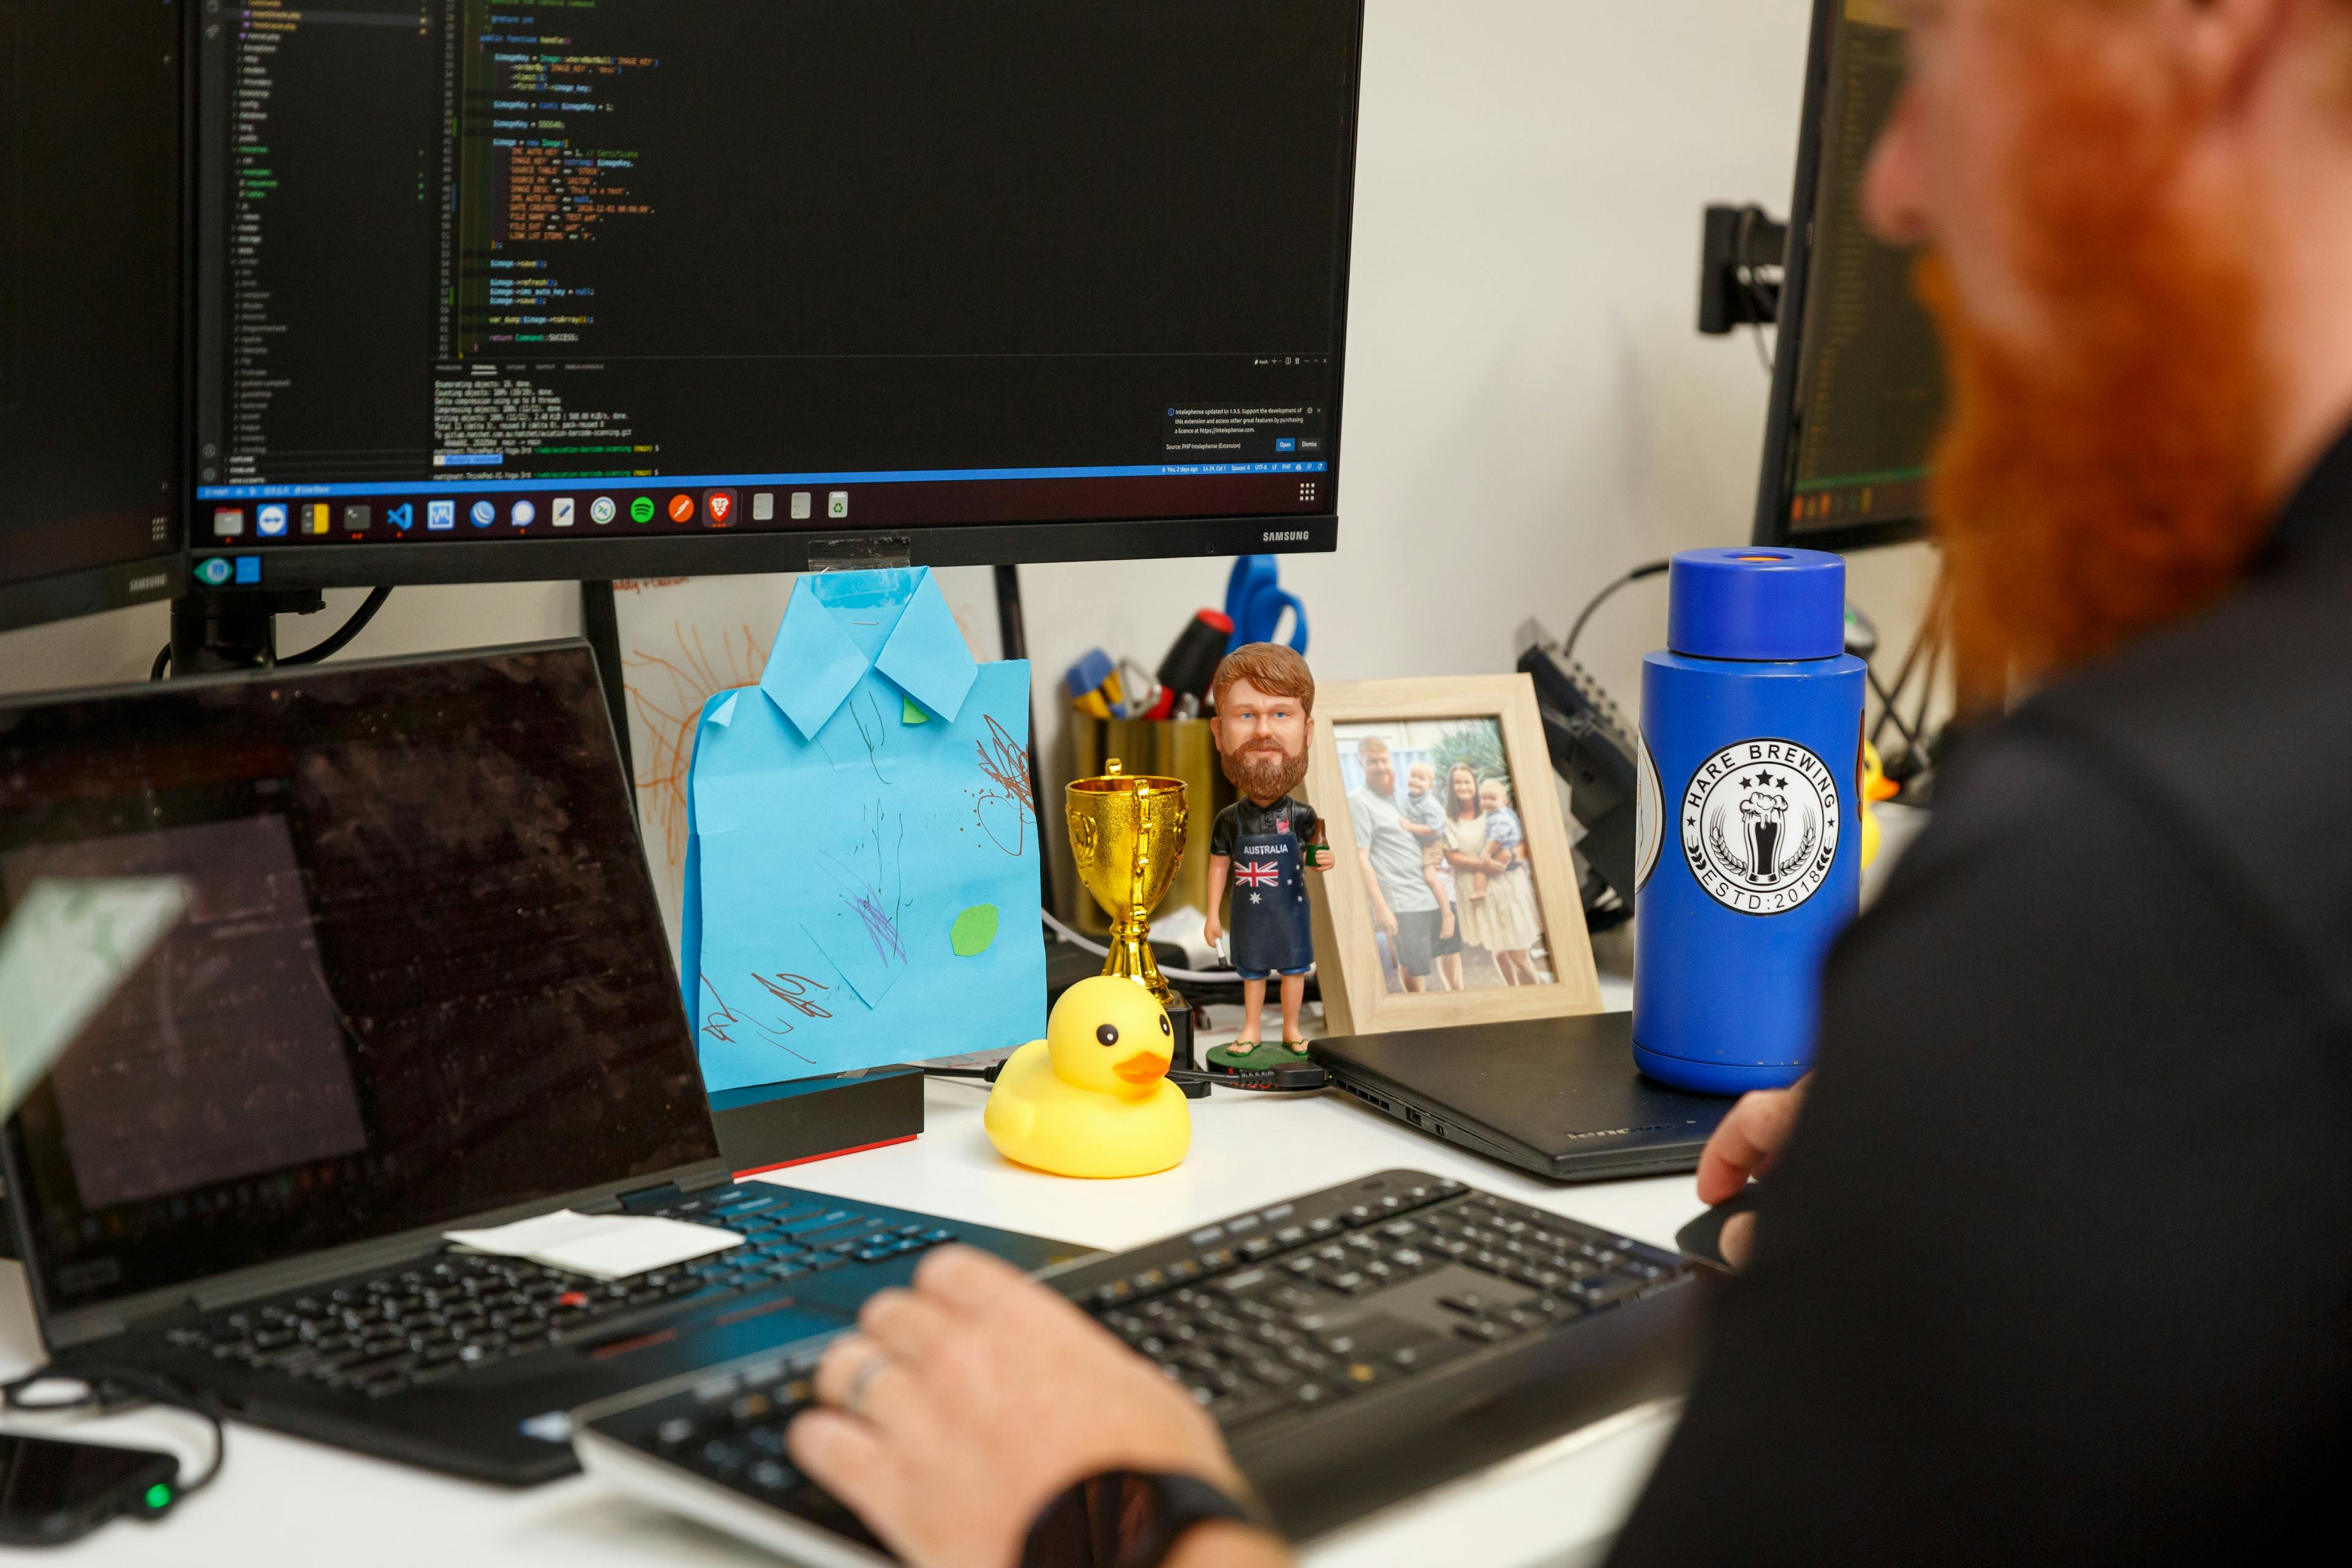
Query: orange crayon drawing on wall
[666,693]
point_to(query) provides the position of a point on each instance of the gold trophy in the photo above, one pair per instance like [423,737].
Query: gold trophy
[1127,834]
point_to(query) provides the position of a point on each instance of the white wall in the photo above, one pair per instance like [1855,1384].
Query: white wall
[1529,410]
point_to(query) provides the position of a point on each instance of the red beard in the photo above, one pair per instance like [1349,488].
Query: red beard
[1265,775]
[2109,478]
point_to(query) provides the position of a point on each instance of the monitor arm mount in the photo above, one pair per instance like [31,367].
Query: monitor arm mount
[1742,260]
[215,631]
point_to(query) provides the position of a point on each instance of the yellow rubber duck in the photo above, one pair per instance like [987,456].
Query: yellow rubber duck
[1092,1097]
[1875,788]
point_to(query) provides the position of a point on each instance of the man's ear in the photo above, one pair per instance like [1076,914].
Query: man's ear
[1217,733]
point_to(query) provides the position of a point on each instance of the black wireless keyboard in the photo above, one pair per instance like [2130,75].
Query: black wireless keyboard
[1357,1345]
[384,1335]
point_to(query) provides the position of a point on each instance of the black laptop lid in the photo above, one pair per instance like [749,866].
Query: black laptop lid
[1563,1090]
[422,975]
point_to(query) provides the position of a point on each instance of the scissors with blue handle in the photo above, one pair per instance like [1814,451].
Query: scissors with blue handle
[1254,600]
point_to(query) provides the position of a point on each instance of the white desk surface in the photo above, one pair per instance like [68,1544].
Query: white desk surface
[282,1499]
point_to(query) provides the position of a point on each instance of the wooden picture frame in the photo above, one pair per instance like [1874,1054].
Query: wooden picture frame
[1358,998]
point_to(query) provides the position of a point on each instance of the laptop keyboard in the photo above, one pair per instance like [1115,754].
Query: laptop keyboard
[464,1311]
[1265,1319]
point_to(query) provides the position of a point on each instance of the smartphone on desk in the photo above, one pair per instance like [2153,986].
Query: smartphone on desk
[53,1492]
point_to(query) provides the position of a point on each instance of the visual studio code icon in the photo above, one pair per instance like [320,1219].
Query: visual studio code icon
[1760,825]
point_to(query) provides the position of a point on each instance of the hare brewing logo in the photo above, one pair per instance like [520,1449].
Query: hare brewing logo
[1760,825]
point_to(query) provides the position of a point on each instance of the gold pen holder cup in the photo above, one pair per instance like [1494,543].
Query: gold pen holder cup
[1127,836]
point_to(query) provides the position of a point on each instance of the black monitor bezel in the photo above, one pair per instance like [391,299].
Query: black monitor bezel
[1777,492]
[161,573]
[299,566]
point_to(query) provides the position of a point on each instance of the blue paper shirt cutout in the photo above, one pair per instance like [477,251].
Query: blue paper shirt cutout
[832,846]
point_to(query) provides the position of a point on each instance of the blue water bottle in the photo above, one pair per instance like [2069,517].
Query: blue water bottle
[1750,838]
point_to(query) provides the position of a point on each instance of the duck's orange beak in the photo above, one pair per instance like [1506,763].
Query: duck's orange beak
[1141,1067]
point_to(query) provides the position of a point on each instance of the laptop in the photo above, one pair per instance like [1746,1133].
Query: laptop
[422,984]
[1557,1097]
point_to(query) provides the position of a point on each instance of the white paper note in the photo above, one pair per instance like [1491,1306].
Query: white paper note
[607,1245]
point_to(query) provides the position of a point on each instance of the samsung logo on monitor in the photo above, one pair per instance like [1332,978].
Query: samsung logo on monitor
[149,585]
[1286,536]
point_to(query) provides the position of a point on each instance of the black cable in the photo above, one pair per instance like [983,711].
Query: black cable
[1576,632]
[106,1392]
[342,639]
[1304,1078]
[162,664]
[1927,696]
[1888,711]
[1902,684]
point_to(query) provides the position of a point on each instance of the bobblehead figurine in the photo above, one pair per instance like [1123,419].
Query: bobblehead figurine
[1264,843]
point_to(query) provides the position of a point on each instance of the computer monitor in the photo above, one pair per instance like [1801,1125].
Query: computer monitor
[500,290]
[1858,389]
[90,294]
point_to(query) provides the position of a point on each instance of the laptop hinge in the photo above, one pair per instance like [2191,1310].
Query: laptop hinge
[704,1182]
[295,1276]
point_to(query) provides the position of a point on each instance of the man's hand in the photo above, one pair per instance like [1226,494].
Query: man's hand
[1382,916]
[993,1396]
[1743,1148]
[1213,930]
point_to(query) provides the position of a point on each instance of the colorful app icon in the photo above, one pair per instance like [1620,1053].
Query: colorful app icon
[837,504]
[484,514]
[214,573]
[602,510]
[320,519]
[719,506]
[440,516]
[681,509]
[270,521]
[249,571]
[228,523]
[401,517]
[562,512]
[524,514]
[642,509]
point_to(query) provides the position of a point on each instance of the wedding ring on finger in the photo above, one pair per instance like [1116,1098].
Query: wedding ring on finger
[853,1399]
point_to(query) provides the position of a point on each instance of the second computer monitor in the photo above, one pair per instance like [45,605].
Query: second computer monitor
[514,288]
[1858,394]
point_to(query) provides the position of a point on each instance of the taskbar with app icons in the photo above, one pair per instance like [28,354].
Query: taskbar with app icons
[684,523]
[237,515]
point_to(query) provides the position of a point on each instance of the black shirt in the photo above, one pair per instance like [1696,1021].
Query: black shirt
[1247,819]
[2058,1264]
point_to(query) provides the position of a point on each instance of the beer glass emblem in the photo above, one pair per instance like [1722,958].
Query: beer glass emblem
[1760,825]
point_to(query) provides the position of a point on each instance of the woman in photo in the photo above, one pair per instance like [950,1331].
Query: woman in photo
[1466,857]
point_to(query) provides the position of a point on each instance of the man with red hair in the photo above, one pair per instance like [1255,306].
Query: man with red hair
[2054,1265]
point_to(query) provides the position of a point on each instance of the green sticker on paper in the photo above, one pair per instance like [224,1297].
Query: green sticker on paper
[911,714]
[974,931]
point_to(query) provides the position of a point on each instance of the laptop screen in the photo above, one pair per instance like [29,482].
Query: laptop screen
[418,974]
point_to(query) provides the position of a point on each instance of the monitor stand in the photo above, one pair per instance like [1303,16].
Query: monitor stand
[213,633]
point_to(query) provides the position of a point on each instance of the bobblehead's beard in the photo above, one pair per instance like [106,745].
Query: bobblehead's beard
[1267,774]
[2109,478]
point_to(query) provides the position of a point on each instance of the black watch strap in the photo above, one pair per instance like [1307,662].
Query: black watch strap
[1124,1519]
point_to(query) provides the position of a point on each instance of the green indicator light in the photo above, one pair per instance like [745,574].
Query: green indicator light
[159,1496]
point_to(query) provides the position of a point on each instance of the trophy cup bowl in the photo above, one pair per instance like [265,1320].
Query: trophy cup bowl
[1126,835]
